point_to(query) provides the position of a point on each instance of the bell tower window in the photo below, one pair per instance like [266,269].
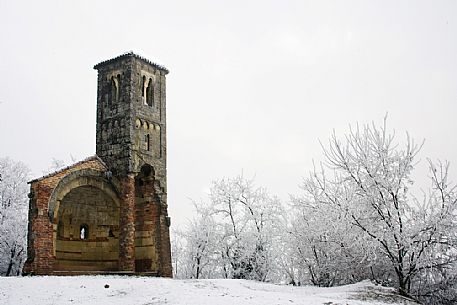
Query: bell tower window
[147,91]
[118,87]
[150,93]
[143,89]
[114,94]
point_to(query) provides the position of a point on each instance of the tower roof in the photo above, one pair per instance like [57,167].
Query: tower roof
[130,55]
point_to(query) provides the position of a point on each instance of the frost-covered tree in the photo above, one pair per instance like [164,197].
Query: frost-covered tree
[326,245]
[233,234]
[13,215]
[370,185]
[247,220]
[195,248]
[289,265]
[177,248]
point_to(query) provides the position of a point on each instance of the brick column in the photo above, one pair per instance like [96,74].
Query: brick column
[127,225]
[40,237]
[165,248]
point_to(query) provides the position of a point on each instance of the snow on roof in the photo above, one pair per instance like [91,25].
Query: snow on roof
[91,158]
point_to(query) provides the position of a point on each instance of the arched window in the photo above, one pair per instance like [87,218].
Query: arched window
[118,87]
[84,232]
[150,93]
[143,89]
[114,90]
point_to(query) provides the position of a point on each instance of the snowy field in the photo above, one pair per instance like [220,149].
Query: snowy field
[148,291]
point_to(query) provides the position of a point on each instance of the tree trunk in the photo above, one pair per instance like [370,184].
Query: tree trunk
[10,267]
[11,262]
[403,285]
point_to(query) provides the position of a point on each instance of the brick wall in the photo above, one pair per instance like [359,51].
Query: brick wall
[40,247]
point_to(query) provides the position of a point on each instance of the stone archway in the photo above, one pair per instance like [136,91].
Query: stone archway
[87,237]
[84,211]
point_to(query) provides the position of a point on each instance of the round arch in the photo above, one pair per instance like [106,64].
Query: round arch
[84,212]
[84,177]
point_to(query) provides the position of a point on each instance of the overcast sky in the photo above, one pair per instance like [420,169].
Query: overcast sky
[253,85]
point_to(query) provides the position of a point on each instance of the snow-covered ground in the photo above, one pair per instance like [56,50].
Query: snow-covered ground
[87,290]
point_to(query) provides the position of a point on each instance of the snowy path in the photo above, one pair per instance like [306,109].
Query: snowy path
[89,290]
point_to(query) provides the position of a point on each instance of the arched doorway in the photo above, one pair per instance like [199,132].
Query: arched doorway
[87,235]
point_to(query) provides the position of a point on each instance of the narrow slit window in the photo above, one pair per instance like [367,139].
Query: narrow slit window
[147,142]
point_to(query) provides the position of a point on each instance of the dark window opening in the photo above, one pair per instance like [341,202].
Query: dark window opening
[147,142]
[150,93]
[147,170]
[143,86]
[84,232]
[113,91]
[118,87]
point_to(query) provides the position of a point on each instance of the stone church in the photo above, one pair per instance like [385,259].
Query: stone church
[108,213]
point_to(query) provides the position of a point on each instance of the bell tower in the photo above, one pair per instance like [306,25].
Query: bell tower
[131,140]
[131,115]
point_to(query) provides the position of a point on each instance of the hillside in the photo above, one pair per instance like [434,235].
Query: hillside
[89,290]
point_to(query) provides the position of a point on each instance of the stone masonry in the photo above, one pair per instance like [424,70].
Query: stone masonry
[108,213]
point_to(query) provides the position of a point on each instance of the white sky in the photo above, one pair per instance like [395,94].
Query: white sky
[253,84]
